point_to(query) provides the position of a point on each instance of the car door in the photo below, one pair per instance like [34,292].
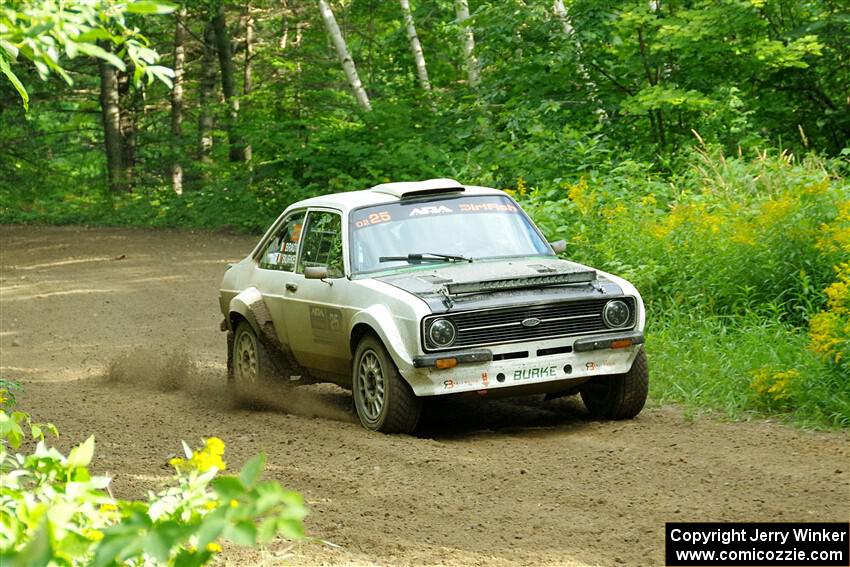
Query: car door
[275,276]
[321,308]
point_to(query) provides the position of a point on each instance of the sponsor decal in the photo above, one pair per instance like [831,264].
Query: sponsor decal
[535,373]
[419,211]
[479,207]
[326,324]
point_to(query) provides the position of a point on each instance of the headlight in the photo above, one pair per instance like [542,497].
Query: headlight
[616,313]
[442,333]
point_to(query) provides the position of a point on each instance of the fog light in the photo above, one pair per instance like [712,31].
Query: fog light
[443,363]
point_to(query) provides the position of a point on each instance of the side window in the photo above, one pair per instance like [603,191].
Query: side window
[282,249]
[323,243]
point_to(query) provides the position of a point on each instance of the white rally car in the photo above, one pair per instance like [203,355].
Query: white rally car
[409,290]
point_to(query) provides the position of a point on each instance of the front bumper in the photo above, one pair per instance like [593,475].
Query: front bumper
[557,362]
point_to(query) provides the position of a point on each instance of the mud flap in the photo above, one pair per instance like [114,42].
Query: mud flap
[281,355]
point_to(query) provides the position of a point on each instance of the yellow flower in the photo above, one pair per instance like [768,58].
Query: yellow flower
[581,196]
[520,187]
[214,547]
[108,508]
[648,201]
[817,188]
[774,210]
[93,535]
[3,397]
[204,459]
[824,336]
[773,385]
[838,293]
[211,504]
[234,503]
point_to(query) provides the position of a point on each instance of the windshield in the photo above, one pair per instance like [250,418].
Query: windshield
[489,226]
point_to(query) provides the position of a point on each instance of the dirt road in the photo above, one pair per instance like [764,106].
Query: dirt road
[115,332]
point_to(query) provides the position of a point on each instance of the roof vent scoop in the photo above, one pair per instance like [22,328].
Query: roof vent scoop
[406,189]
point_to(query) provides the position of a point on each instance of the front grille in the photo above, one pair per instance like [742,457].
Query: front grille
[504,325]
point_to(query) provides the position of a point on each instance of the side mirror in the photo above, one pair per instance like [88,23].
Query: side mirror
[558,246]
[316,272]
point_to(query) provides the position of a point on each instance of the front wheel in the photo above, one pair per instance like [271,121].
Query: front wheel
[383,400]
[618,396]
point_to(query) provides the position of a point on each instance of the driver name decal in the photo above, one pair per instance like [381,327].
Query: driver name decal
[534,373]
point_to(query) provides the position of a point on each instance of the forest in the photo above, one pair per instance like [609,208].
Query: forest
[699,148]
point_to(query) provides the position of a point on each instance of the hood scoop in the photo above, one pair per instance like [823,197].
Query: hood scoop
[542,280]
[434,279]
[543,269]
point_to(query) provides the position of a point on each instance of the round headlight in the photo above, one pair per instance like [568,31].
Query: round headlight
[616,313]
[442,333]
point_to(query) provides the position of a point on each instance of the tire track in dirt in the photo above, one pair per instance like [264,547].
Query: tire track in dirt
[140,363]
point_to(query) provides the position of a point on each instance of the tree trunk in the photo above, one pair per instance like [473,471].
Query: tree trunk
[468,39]
[207,93]
[228,83]
[128,103]
[344,56]
[561,12]
[592,90]
[177,100]
[415,46]
[111,114]
[247,79]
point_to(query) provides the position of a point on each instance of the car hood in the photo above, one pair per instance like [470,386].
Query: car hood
[465,286]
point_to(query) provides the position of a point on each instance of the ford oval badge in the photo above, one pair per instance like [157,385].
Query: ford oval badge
[530,322]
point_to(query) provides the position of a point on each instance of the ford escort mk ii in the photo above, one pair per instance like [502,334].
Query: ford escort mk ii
[412,290]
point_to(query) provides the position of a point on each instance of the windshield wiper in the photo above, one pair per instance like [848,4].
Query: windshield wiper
[425,257]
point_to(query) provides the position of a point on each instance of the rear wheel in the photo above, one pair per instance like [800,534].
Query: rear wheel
[618,396]
[383,400]
[252,371]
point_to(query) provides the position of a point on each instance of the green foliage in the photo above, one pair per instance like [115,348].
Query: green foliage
[742,264]
[55,512]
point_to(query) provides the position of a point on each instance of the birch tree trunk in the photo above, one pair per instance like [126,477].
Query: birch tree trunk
[228,83]
[247,77]
[415,46]
[207,93]
[563,15]
[561,12]
[177,99]
[468,39]
[111,115]
[344,56]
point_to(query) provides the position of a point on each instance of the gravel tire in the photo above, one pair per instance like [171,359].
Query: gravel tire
[618,396]
[251,372]
[383,400]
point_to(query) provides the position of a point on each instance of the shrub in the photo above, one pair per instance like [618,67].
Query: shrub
[732,257]
[55,512]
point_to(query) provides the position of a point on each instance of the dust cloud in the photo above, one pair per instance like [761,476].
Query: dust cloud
[173,370]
